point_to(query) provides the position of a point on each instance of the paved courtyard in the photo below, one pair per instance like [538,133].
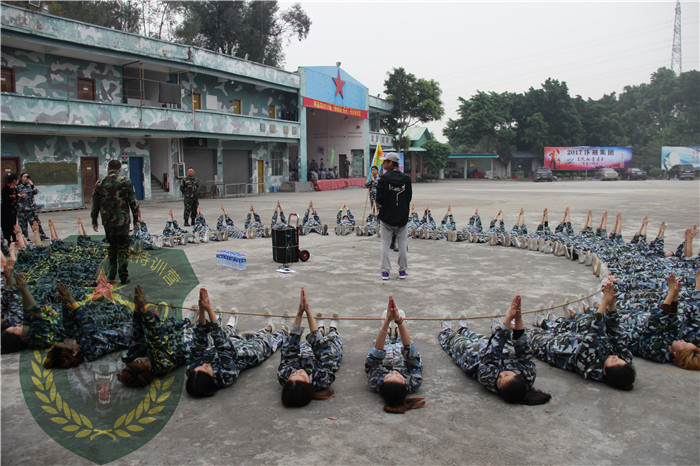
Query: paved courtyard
[586,422]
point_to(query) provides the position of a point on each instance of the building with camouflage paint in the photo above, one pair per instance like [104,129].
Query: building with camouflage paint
[75,95]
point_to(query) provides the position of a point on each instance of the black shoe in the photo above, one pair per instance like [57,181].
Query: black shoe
[124,280]
[186,223]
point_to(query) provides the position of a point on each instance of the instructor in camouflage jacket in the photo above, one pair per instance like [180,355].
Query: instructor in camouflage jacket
[112,198]
[190,191]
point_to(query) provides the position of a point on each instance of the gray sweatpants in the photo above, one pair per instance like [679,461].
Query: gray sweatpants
[387,231]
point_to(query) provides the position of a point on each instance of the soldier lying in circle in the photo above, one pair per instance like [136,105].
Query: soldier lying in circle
[372,222]
[593,348]
[394,368]
[496,231]
[224,223]
[307,369]
[447,224]
[427,224]
[147,240]
[278,213]
[158,346]
[473,227]
[346,220]
[502,363]
[172,229]
[200,227]
[312,223]
[252,222]
[12,313]
[413,220]
[41,327]
[518,233]
[92,330]
[664,334]
[211,367]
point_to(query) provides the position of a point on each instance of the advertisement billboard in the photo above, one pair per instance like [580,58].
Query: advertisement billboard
[671,156]
[587,157]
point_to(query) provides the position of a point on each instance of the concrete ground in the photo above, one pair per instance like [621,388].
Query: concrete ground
[585,423]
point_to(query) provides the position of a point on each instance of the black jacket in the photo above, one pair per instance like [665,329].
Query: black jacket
[394,195]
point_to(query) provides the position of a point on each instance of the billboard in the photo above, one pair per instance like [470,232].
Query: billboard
[587,157]
[671,156]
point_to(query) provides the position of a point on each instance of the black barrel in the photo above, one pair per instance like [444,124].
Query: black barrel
[285,245]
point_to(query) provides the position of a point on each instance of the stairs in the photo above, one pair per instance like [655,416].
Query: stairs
[158,192]
[295,187]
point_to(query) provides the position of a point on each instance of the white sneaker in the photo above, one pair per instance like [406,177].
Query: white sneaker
[268,321]
[334,320]
[462,322]
[232,323]
[447,322]
[320,322]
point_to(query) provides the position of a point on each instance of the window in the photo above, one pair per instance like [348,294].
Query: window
[8,79]
[197,101]
[277,163]
[272,111]
[86,89]
[237,106]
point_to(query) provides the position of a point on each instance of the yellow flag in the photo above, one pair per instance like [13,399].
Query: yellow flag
[378,154]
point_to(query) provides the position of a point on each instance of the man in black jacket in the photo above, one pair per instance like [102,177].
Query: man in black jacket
[394,195]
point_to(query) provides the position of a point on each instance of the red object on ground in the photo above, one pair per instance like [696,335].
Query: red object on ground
[329,185]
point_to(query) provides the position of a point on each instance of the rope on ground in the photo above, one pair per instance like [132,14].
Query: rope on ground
[282,316]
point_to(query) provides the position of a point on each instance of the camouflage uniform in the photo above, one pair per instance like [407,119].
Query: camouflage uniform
[394,357]
[585,347]
[371,225]
[112,199]
[190,192]
[226,224]
[26,210]
[11,305]
[166,342]
[230,354]
[448,224]
[313,224]
[43,326]
[281,223]
[253,221]
[101,327]
[474,226]
[341,222]
[319,356]
[483,358]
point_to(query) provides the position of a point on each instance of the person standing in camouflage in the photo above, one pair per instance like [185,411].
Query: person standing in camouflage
[27,210]
[190,191]
[112,198]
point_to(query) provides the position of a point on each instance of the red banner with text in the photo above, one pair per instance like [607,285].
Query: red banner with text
[312,103]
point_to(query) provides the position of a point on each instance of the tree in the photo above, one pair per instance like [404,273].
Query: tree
[414,101]
[437,154]
[256,30]
[486,124]
[123,15]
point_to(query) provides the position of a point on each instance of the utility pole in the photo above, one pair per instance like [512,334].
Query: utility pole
[676,54]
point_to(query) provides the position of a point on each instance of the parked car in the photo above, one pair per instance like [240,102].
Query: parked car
[452,172]
[632,174]
[606,174]
[543,174]
[682,172]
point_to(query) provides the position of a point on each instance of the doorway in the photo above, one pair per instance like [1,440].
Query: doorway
[88,176]
[136,175]
[9,165]
[343,166]
[261,177]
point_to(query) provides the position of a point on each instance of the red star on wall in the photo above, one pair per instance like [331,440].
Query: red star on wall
[339,83]
[103,288]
